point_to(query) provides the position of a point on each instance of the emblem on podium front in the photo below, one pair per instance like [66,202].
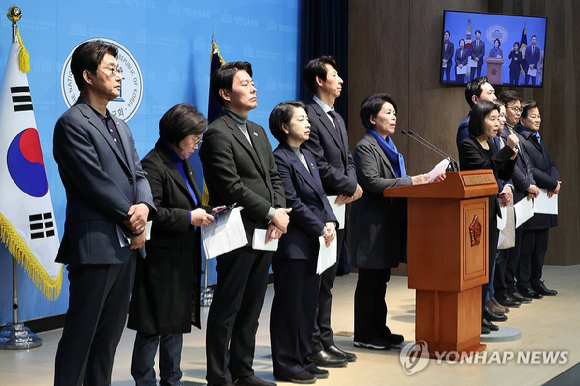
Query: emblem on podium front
[475,231]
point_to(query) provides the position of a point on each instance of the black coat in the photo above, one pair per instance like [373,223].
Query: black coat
[378,225]
[167,286]
[545,174]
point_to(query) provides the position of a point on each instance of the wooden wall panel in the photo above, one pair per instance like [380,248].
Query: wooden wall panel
[394,46]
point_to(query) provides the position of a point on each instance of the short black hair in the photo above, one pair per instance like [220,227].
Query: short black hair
[282,114]
[223,77]
[316,67]
[476,31]
[88,56]
[473,87]
[478,113]
[371,105]
[461,40]
[447,32]
[518,43]
[508,96]
[180,121]
[498,42]
[527,106]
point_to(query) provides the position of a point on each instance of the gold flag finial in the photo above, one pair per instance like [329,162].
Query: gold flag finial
[14,14]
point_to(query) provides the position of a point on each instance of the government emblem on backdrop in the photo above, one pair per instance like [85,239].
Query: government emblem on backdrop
[128,102]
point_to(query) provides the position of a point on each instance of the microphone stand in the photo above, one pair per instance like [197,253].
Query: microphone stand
[453,164]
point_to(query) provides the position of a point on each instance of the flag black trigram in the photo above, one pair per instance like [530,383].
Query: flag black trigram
[41,225]
[21,98]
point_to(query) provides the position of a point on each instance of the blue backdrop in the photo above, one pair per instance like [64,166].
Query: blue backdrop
[171,44]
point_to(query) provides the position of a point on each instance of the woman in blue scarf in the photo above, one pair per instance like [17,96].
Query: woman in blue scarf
[378,224]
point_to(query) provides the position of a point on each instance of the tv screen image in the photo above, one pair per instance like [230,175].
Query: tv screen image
[508,49]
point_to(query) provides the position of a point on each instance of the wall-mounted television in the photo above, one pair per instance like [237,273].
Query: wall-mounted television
[508,49]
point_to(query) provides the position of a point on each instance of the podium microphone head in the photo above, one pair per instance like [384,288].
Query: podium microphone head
[411,132]
[404,132]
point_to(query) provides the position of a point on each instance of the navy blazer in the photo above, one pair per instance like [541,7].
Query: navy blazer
[478,52]
[330,148]
[310,207]
[522,177]
[101,184]
[545,173]
[463,130]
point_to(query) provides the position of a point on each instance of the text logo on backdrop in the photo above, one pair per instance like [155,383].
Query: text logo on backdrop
[128,102]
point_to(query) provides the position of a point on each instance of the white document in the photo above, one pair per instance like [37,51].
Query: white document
[438,170]
[462,70]
[148,230]
[224,235]
[524,211]
[339,211]
[124,241]
[259,241]
[543,204]
[502,222]
[444,65]
[500,239]
[533,72]
[472,63]
[326,256]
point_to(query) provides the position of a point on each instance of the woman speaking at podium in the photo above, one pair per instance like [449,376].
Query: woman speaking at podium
[378,224]
[481,151]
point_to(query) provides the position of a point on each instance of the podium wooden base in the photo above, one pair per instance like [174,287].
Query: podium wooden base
[450,322]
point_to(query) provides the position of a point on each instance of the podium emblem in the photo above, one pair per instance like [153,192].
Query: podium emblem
[475,231]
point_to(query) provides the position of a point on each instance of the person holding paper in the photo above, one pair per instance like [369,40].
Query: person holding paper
[532,59]
[536,229]
[239,167]
[294,263]
[379,227]
[166,293]
[329,144]
[447,56]
[477,54]
[478,151]
[460,62]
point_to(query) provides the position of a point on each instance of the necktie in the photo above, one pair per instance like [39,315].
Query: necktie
[537,136]
[335,120]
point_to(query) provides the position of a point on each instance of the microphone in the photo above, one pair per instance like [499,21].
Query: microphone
[453,164]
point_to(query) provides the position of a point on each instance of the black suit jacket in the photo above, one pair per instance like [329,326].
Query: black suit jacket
[330,148]
[236,171]
[310,207]
[522,176]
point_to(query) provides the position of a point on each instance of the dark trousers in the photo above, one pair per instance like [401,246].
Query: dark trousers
[98,306]
[143,361]
[527,79]
[370,305]
[479,65]
[323,336]
[292,315]
[512,263]
[533,252]
[242,279]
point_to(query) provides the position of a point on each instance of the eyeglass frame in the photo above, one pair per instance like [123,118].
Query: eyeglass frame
[515,109]
[113,71]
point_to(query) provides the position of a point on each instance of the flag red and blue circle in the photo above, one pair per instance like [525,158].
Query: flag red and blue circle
[26,165]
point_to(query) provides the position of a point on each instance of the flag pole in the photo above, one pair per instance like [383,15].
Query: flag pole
[16,336]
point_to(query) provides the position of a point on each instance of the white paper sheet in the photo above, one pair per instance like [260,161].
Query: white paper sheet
[326,256]
[500,239]
[501,222]
[462,70]
[524,211]
[533,72]
[543,204]
[339,211]
[259,241]
[224,235]
[472,63]
[438,169]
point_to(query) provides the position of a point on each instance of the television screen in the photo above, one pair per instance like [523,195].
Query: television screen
[508,49]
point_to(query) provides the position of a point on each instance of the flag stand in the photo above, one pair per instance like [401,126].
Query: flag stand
[16,336]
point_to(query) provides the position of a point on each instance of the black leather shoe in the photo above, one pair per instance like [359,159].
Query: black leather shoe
[302,378]
[485,330]
[375,344]
[508,301]
[325,359]
[530,293]
[492,316]
[319,373]
[333,350]
[520,298]
[542,289]
[488,324]
[252,380]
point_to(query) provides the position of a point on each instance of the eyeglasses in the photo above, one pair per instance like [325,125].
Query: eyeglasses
[198,142]
[515,109]
[113,71]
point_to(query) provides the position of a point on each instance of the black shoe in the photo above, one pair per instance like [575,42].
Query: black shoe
[507,301]
[492,316]
[252,380]
[375,344]
[520,298]
[302,378]
[488,324]
[319,373]
[530,293]
[485,330]
[333,350]
[395,339]
[542,289]
[325,359]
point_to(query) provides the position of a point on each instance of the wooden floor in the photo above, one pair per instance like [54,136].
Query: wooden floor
[549,324]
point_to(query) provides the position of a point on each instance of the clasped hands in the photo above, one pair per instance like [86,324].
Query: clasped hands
[136,222]
[278,225]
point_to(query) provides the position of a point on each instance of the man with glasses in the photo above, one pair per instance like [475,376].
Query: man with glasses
[506,292]
[108,203]
[476,90]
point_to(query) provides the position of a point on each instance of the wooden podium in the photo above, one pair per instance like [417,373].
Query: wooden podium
[448,257]
[494,69]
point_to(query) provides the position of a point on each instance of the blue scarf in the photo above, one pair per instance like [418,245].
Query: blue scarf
[396,158]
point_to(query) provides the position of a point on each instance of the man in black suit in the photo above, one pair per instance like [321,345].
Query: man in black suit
[108,202]
[447,56]
[239,168]
[477,54]
[532,59]
[329,144]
